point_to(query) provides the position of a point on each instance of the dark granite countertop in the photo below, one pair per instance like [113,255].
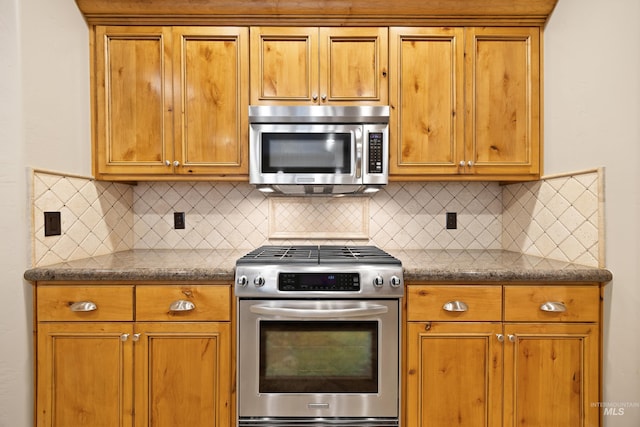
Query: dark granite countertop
[419,265]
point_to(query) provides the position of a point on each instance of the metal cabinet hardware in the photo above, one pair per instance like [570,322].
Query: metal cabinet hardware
[182,305]
[455,306]
[553,307]
[500,337]
[82,306]
[512,338]
[124,337]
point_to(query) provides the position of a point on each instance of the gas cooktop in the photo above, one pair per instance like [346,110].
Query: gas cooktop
[318,272]
[318,255]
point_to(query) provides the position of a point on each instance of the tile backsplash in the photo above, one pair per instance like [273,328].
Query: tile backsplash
[541,218]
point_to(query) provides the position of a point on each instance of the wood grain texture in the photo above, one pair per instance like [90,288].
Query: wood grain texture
[253,12]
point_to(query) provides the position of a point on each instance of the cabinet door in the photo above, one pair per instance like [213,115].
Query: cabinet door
[551,375]
[211,79]
[183,374]
[454,374]
[503,101]
[353,65]
[427,83]
[84,375]
[284,65]
[133,100]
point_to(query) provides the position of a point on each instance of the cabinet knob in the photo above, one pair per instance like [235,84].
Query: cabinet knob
[553,307]
[500,337]
[182,305]
[83,306]
[462,163]
[124,337]
[314,97]
[512,338]
[167,163]
[135,338]
[176,163]
[455,306]
[324,97]
[470,163]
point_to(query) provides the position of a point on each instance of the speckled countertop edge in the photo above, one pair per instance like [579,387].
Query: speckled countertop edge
[218,265]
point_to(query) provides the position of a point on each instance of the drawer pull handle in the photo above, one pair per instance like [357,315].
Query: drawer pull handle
[455,306]
[553,307]
[182,305]
[82,306]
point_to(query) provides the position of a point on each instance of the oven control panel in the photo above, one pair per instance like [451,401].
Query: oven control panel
[335,282]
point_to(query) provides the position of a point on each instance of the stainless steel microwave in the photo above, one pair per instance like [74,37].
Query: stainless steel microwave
[315,150]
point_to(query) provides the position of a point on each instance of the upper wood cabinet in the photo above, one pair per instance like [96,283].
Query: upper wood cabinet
[309,65]
[465,103]
[170,101]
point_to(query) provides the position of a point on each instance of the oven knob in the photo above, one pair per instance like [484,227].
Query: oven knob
[242,281]
[258,281]
[395,282]
[378,282]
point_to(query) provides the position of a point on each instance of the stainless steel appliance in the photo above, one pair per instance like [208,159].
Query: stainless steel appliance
[318,336]
[318,149]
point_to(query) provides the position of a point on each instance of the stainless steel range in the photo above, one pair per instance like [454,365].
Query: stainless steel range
[318,336]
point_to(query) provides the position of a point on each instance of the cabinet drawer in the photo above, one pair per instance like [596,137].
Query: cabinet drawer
[188,303]
[84,303]
[552,303]
[456,302]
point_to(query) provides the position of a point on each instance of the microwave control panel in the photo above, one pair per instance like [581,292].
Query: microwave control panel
[375,152]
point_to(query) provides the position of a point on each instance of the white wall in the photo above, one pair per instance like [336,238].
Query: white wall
[44,122]
[592,118]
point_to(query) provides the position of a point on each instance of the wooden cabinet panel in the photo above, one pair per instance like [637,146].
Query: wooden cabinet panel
[503,100]
[153,303]
[183,374]
[84,375]
[310,65]
[427,100]
[524,303]
[454,374]
[284,64]
[353,65]
[171,101]
[551,375]
[112,303]
[211,79]
[133,118]
[483,303]
[465,103]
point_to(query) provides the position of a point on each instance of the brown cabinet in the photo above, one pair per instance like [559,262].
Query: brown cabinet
[170,101]
[102,362]
[317,66]
[512,355]
[465,103]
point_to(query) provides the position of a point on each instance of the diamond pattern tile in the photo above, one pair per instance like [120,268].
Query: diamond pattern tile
[558,217]
[97,217]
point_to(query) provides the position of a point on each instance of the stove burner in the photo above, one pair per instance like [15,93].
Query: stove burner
[318,255]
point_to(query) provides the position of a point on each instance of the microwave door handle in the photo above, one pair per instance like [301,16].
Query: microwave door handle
[312,313]
[359,137]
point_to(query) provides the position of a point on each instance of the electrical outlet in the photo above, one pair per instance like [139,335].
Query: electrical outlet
[452,220]
[52,224]
[178,220]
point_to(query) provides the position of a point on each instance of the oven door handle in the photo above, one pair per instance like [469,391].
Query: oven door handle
[315,313]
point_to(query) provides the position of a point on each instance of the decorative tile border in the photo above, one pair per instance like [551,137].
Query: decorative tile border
[341,218]
[97,217]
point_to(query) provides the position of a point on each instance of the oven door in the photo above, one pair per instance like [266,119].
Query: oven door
[307,154]
[318,359]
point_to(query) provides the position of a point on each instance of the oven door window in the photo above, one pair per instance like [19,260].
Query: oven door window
[307,153]
[318,357]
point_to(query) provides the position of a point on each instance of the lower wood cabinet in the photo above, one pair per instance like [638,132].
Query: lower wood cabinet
[133,371]
[534,362]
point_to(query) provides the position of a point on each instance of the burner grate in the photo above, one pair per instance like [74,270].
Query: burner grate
[318,255]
